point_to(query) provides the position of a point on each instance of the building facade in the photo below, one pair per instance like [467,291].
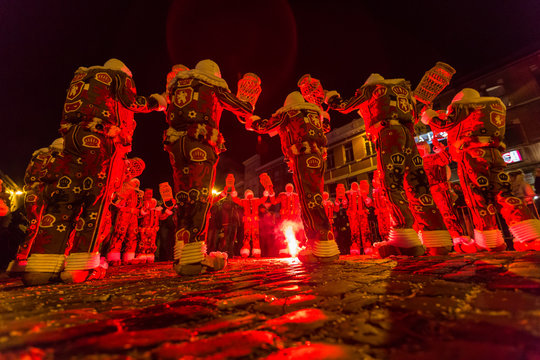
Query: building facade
[351,156]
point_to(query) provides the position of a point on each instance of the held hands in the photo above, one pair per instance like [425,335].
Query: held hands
[330,96]
[161,101]
[250,120]
[427,116]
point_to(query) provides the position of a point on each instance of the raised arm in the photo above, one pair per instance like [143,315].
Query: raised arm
[265,126]
[335,102]
[230,102]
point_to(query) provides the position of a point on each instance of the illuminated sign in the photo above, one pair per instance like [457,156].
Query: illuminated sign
[511,157]
[428,137]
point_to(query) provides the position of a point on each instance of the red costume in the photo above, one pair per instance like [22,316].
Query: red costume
[382,207]
[329,207]
[126,226]
[303,143]
[475,127]
[251,222]
[197,99]
[148,228]
[100,103]
[289,211]
[387,107]
[36,173]
[438,173]
[361,236]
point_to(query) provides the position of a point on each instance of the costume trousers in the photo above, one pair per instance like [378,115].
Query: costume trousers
[365,231]
[126,231]
[76,200]
[308,178]
[354,225]
[33,204]
[147,243]
[443,199]
[405,181]
[194,167]
[486,187]
[251,233]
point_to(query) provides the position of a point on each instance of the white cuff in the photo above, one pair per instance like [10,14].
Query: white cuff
[488,239]
[46,263]
[330,94]
[435,238]
[192,253]
[526,230]
[82,261]
[403,238]
[327,248]
[161,101]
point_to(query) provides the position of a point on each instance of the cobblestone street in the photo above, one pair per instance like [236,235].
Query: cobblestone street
[479,306]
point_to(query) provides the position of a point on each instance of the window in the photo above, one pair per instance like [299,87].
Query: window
[369,146]
[330,162]
[349,154]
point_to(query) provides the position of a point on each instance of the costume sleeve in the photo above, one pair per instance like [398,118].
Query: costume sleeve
[236,200]
[347,106]
[127,95]
[265,126]
[276,199]
[233,104]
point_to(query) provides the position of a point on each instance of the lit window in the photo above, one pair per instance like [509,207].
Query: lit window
[369,146]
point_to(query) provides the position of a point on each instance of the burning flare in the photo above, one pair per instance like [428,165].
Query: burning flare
[288,229]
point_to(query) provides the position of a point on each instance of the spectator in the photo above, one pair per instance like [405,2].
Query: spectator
[523,190]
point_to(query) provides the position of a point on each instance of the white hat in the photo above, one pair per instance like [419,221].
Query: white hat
[115,64]
[466,95]
[374,79]
[295,101]
[208,67]
[207,71]
[57,144]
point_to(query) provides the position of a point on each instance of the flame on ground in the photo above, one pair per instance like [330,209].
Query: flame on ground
[288,228]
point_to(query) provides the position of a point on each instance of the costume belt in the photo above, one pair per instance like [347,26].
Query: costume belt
[199,132]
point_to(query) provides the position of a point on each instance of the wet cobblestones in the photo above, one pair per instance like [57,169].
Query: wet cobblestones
[476,306]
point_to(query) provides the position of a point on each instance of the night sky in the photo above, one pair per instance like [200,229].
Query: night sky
[339,42]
